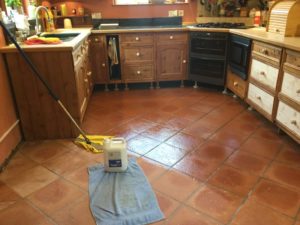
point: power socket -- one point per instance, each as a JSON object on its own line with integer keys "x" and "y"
{"x": 96, "y": 15}
{"x": 181, "y": 12}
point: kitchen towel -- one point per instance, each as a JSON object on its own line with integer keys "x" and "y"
{"x": 122, "y": 198}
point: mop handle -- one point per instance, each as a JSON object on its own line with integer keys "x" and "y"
{"x": 44, "y": 82}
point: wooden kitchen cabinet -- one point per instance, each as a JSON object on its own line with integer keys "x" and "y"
{"x": 98, "y": 58}
{"x": 67, "y": 73}
{"x": 137, "y": 58}
{"x": 171, "y": 56}
{"x": 288, "y": 113}
{"x": 265, "y": 79}
{"x": 236, "y": 84}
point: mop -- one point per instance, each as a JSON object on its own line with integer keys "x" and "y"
{"x": 92, "y": 143}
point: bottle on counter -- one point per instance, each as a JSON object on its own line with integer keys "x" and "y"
{"x": 63, "y": 8}
{"x": 257, "y": 18}
{"x": 50, "y": 24}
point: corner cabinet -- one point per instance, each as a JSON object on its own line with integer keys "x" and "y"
{"x": 171, "y": 56}
{"x": 68, "y": 73}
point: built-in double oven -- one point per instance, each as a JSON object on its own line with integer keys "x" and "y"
{"x": 208, "y": 51}
{"x": 211, "y": 51}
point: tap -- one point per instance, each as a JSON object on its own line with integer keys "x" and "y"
{"x": 37, "y": 25}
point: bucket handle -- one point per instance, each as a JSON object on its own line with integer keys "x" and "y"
{"x": 118, "y": 139}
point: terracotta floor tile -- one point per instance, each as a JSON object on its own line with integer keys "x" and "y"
{"x": 268, "y": 133}
{"x": 178, "y": 123}
{"x": 244, "y": 127}
{"x": 141, "y": 144}
{"x": 189, "y": 114}
{"x": 261, "y": 147}
{"x": 77, "y": 213}
{"x": 122, "y": 131}
{"x": 166, "y": 154}
{"x": 18, "y": 164}
{"x": 297, "y": 223}
{"x": 250, "y": 117}
{"x": 151, "y": 169}
{"x": 166, "y": 204}
{"x": 157, "y": 117}
{"x": 159, "y": 133}
{"x": 233, "y": 139}
{"x": 67, "y": 162}
{"x": 248, "y": 162}
{"x": 254, "y": 213}
{"x": 277, "y": 197}
{"x": 195, "y": 166}
{"x": 188, "y": 216}
{"x": 213, "y": 151}
{"x": 31, "y": 180}
{"x": 289, "y": 156}
{"x": 216, "y": 203}
{"x": 44, "y": 150}
{"x": 79, "y": 177}
{"x": 176, "y": 185}
{"x": 139, "y": 125}
{"x": 55, "y": 196}
{"x": 284, "y": 174}
{"x": 7, "y": 196}
{"x": 23, "y": 213}
{"x": 184, "y": 141}
{"x": 233, "y": 180}
{"x": 202, "y": 108}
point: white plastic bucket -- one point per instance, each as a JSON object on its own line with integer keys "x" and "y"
{"x": 115, "y": 155}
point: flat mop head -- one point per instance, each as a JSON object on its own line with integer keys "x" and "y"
{"x": 95, "y": 145}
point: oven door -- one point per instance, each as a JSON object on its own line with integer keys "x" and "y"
{"x": 207, "y": 70}
{"x": 207, "y": 43}
{"x": 239, "y": 54}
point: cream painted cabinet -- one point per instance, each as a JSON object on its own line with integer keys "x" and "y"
{"x": 288, "y": 113}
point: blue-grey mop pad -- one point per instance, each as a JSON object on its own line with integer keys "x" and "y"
{"x": 122, "y": 198}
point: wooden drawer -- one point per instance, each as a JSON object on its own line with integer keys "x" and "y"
{"x": 264, "y": 73}
{"x": 236, "y": 84}
{"x": 142, "y": 73}
{"x": 171, "y": 37}
{"x": 268, "y": 51}
{"x": 261, "y": 98}
{"x": 137, "y": 54}
{"x": 289, "y": 117}
{"x": 291, "y": 86}
{"x": 137, "y": 38}
{"x": 293, "y": 59}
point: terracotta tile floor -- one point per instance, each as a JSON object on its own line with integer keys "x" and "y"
{"x": 209, "y": 160}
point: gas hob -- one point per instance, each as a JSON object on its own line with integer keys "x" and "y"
{"x": 223, "y": 25}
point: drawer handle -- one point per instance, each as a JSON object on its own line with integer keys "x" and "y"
{"x": 184, "y": 61}
{"x": 103, "y": 64}
{"x": 262, "y": 73}
{"x": 89, "y": 73}
{"x": 235, "y": 84}
{"x": 138, "y": 72}
{"x": 258, "y": 97}
{"x": 171, "y": 37}
{"x": 265, "y": 51}
{"x": 294, "y": 122}
{"x": 138, "y": 54}
{"x": 137, "y": 38}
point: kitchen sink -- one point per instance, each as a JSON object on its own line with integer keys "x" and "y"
{"x": 62, "y": 36}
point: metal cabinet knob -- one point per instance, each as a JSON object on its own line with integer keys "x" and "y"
{"x": 262, "y": 73}
{"x": 96, "y": 39}
{"x": 171, "y": 37}
{"x": 137, "y": 38}
{"x": 277, "y": 30}
{"x": 184, "y": 61}
{"x": 235, "y": 84}
{"x": 294, "y": 122}
{"x": 138, "y": 72}
{"x": 258, "y": 97}
{"x": 138, "y": 54}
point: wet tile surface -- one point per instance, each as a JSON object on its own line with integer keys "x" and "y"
{"x": 209, "y": 160}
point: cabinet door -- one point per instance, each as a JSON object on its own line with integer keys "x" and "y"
{"x": 171, "y": 62}
{"x": 98, "y": 57}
